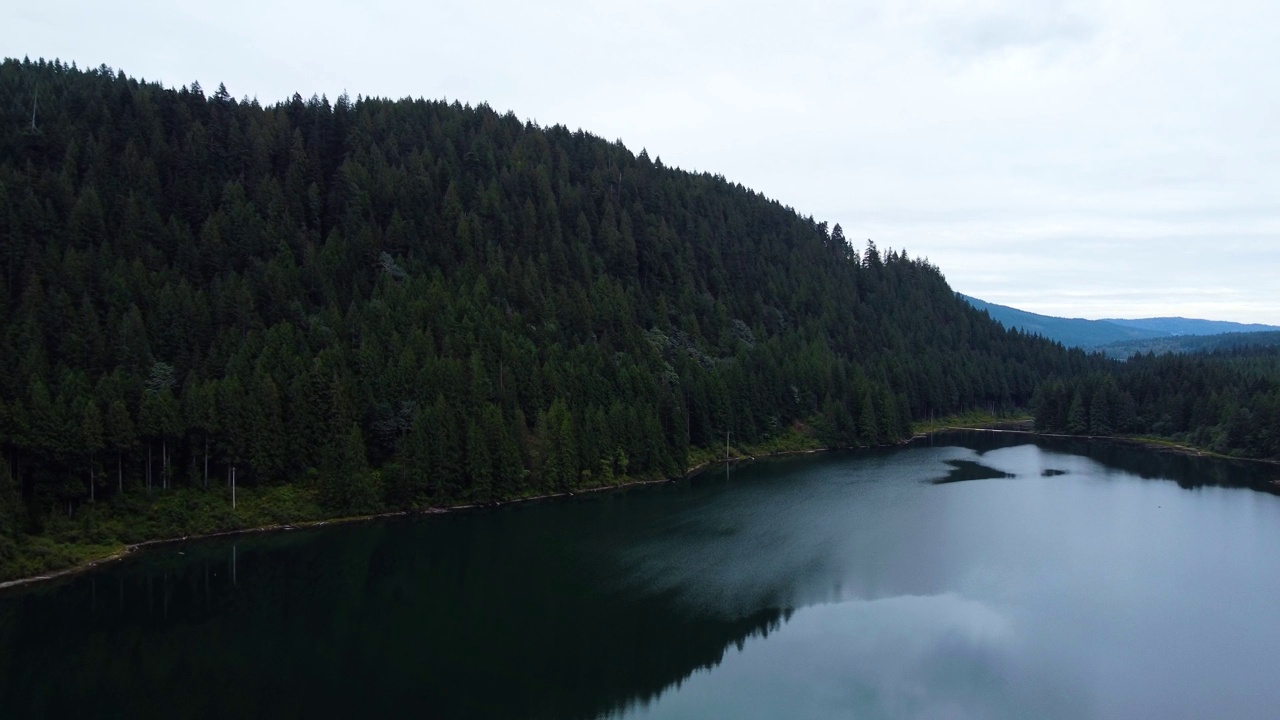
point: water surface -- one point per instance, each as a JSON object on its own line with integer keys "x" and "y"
{"x": 977, "y": 575}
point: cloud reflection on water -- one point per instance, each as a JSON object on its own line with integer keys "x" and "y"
{"x": 901, "y": 657}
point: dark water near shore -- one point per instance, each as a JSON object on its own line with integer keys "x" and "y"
{"x": 972, "y": 576}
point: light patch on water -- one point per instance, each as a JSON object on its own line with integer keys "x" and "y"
{"x": 819, "y": 537}
{"x": 939, "y": 656}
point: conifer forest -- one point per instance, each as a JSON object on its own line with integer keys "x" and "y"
{"x": 216, "y": 314}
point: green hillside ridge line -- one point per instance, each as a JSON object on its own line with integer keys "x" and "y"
{"x": 332, "y": 309}
{"x": 364, "y": 306}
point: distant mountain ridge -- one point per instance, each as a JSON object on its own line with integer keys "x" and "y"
{"x": 1190, "y": 326}
{"x": 1096, "y": 334}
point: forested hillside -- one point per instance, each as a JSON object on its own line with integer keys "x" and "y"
{"x": 408, "y": 303}
{"x": 1192, "y": 344}
{"x": 1227, "y": 401}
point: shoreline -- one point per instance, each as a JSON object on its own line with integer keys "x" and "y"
{"x": 996, "y": 427}
{"x": 131, "y": 548}
{"x": 1145, "y": 442}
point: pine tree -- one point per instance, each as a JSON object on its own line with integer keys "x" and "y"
{"x": 1077, "y": 415}
{"x": 347, "y": 482}
{"x": 92, "y": 439}
{"x": 1100, "y": 412}
{"x": 11, "y": 519}
{"x": 120, "y": 437}
{"x": 479, "y": 463}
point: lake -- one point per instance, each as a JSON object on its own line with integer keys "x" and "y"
{"x": 969, "y": 575}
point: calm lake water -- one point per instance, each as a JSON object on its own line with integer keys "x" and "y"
{"x": 976, "y": 575}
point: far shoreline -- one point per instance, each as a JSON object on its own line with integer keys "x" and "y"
{"x": 1150, "y": 443}
{"x": 1013, "y": 426}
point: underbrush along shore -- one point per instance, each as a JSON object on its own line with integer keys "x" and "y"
{"x": 126, "y": 549}
{"x": 796, "y": 440}
{"x": 702, "y": 460}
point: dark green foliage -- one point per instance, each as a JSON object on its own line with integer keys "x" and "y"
{"x": 1194, "y": 343}
{"x": 1228, "y": 401}
{"x": 347, "y": 484}
{"x": 411, "y": 303}
{"x": 10, "y": 518}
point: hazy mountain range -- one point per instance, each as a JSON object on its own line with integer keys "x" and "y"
{"x": 1123, "y": 337}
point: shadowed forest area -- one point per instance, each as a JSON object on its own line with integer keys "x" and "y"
{"x": 338, "y": 308}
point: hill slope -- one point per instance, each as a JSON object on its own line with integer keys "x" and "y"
{"x": 379, "y": 304}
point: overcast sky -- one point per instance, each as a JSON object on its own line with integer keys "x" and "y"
{"x": 1081, "y": 159}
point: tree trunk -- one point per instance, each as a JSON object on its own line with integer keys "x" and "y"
{"x": 233, "y": 487}
{"x": 206, "y": 462}
{"x": 120, "y": 471}
{"x": 91, "y": 498}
